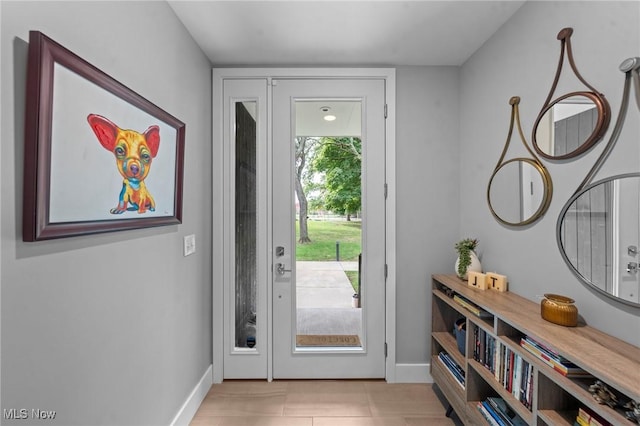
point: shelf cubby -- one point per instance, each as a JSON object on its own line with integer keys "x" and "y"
{"x": 578, "y": 391}
{"x": 481, "y": 387}
{"x": 447, "y": 342}
{"x": 509, "y": 332}
{"x": 555, "y": 405}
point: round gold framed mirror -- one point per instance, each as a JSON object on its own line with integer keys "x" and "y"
{"x": 573, "y": 123}
{"x": 519, "y": 192}
{"x": 520, "y": 189}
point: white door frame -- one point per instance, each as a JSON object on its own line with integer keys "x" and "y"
{"x": 217, "y": 184}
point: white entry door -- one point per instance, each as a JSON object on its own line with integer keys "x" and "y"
{"x": 325, "y": 324}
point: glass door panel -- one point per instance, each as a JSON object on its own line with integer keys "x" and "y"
{"x": 246, "y": 274}
{"x": 246, "y": 225}
{"x": 328, "y": 173}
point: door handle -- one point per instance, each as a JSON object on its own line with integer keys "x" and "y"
{"x": 632, "y": 267}
{"x": 280, "y": 269}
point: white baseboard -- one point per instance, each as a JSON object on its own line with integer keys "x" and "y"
{"x": 191, "y": 405}
{"x": 413, "y": 373}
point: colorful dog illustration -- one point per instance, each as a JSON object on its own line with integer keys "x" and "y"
{"x": 134, "y": 153}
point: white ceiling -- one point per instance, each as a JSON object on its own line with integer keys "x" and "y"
{"x": 310, "y": 118}
{"x": 341, "y": 33}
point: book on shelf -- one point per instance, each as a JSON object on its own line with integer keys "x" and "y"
{"x": 484, "y": 348}
{"x": 487, "y": 416}
{"x": 496, "y": 411}
{"x": 471, "y": 307}
{"x": 494, "y": 414}
{"x": 581, "y": 422}
{"x": 549, "y": 353}
{"x": 456, "y": 371}
{"x": 509, "y": 416}
{"x": 552, "y": 359}
{"x": 517, "y": 377}
{"x": 586, "y": 417}
{"x": 497, "y": 362}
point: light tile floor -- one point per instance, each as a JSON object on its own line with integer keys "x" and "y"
{"x": 322, "y": 403}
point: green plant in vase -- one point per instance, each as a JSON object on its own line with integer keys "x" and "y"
{"x": 466, "y": 256}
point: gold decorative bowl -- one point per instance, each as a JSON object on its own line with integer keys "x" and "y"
{"x": 559, "y": 310}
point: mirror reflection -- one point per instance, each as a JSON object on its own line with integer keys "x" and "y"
{"x": 599, "y": 236}
{"x": 517, "y": 191}
{"x": 566, "y": 126}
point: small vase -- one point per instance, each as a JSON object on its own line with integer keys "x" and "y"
{"x": 559, "y": 310}
{"x": 474, "y": 266}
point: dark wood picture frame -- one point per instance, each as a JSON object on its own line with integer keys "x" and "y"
{"x": 44, "y": 54}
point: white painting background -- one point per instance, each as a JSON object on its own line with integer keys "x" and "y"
{"x": 85, "y": 183}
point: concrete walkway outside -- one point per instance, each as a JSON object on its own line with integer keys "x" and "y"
{"x": 324, "y": 299}
{"x": 324, "y": 284}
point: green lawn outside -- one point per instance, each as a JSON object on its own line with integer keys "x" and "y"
{"x": 353, "y": 279}
{"x": 324, "y": 234}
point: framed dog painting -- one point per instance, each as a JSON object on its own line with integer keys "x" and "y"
{"x": 98, "y": 156}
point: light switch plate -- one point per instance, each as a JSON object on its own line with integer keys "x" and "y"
{"x": 189, "y": 244}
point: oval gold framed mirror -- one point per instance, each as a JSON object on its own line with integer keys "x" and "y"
{"x": 571, "y": 124}
{"x": 520, "y": 189}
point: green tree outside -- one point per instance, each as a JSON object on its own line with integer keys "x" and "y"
{"x": 339, "y": 160}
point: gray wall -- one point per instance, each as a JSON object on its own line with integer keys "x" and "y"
{"x": 112, "y": 328}
{"x": 428, "y": 203}
{"x": 520, "y": 60}
{"x": 451, "y": 128}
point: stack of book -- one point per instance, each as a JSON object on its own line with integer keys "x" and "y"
{"x": 454, "y": 369}
{"x": 508, "y": 367}
{"x": 471, "y": 307}
{"x": 586, "y": 417}
{"x": 553, "y": 359}
{"x": 498, "y": 413}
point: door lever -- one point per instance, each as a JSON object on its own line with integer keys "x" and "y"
{"x": 280, "y": 269}
{"x": 632, "y": 267}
